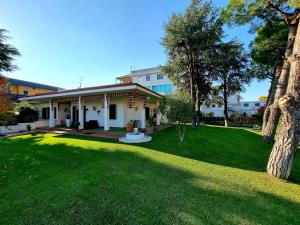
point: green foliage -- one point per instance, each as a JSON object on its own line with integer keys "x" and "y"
{"x": 269, "y": 44}
{"x": 245, "y": 11}
{"x": 7, "y": 53}
{"x": 189, "y": 40}
{"x": 27, "y": 113}
{"x": 179, "y": 108}
{"x": 210, "y": 114}
{"x": 8, "y": 118}
{"x": 231, "y": 62}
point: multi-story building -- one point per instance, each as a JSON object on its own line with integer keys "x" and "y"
{"x": 151, "y": 78}
{"x": 22, "y": 88}
{"x": 247, "y": 107}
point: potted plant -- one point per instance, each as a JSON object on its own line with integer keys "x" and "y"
{"x": 68, "y": 121}
{"x": 129, "y": 126}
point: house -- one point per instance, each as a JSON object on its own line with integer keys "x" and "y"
{"x": 109, "y": 106}
{"x": 22, "y": 88}
{"x": 151, "y": 78}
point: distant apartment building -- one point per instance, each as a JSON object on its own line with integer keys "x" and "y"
{"x": 22, "y": 88}
{"x": 151, "y": 78}
{"x": 247, "y": 107}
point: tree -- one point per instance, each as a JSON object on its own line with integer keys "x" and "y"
{"x": 5, "y": 101}
{"x": 284, "y": 150}
{"x": 267, "y": 53}
{"x": 288, "y": 90}
{"x": 245, "y": 11}
{"x": 189, "y": 38}
{"x": 7, "y": 53}
{"x": 179, "y": 109}
{"x": 230, "y": 72}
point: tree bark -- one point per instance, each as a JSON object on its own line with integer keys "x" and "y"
{"x": 225, "y": 103}
{"x": 271, "y": 97}
{"x": 284, "y": 150}
{"x": 274, "y": 114}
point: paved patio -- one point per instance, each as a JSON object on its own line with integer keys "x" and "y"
{"x": 100, "y": 133}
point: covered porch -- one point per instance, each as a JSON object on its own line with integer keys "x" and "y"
{"x": 99, "y": 107}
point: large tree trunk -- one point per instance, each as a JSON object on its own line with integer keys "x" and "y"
{"x": 225, "y": 103}
{"x": 273, "y": 119}
{"x": 283, "y": 152}
{"x": 271, "y": 98}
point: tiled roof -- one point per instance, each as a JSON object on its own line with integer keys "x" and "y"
{"x": 96, "y": 88}
{"x": 33, "y": 84}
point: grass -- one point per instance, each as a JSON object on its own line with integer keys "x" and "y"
{"x": 215, "y": 177}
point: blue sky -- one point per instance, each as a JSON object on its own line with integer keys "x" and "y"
{"x": 63, "y": 40}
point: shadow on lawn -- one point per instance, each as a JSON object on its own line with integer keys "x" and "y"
{"x": 232, "y": 147}
{"x": 59, "y": 183}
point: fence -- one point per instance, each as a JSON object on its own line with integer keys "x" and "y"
{"x": 237, "y": 121}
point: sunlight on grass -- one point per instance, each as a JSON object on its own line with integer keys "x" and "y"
{"x": 163, "y": 180}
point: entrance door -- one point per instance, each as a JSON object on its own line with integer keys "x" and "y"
{"x": 147, "y": 111}
{"x": 84, "y": 115}
{"x": 75, "y": 113}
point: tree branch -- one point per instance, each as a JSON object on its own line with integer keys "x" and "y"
{"x": 280, "y": 12}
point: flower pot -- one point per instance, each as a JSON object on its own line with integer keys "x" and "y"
{"x": 129, "y": 127}
{"x": 68, "y": 122}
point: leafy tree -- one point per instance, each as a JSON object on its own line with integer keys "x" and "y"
{"x": 189, "y": 39}
{"x": 230, "y": 72}
{"x": 288, "y": 90}
{"x": 7, "y": 53}
{"x": 179, "y": 109}
{"x": 245, "y": 11}
{"x": 267, "y": 52}
{"x": 5, "y": 100}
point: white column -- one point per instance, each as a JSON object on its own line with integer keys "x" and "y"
{"x": 57, "y": 114}
{"x": 158, "y": 114}
{"x": 80, "y": 113}
{"x": 51, "y": 114}
{"x": 142, "y": 114}
{"x": 71, "y": 112}
{"x": 106, "y": 116}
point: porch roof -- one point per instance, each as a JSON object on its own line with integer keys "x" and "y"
{"x": 95, "y": 90}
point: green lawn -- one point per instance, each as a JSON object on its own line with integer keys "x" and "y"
{"x": 215, "y": 177}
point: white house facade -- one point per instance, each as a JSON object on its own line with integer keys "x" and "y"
{"x": 109, "y": 106}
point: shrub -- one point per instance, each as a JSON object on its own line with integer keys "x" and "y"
{"x": 27, "y": 113}
{"x": 210, "y": 114}
{"x": 258, "y": 117}
{"x": 8, "y": 118}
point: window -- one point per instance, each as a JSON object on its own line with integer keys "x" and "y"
{"x": 45, "y": 113}
{"x": 113, "y": 112}
{"x": 165, "y": 88}
{"x": 26, "y": 91}
{"x": 246, "y": 104}
{"x": 160, "y": 77}
{"x": 257, "y": 104}
{"x": 148, "y": 77}
{"x": 213, "y": 106}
